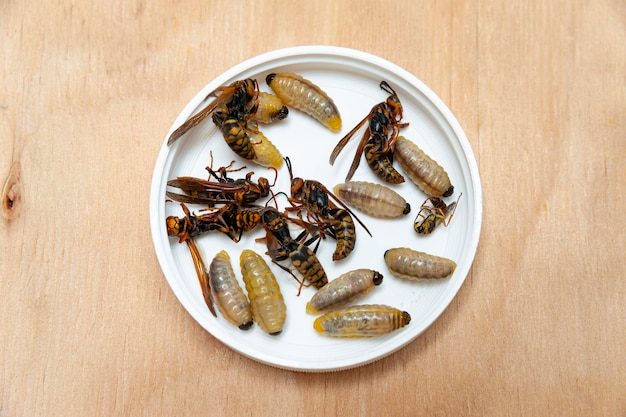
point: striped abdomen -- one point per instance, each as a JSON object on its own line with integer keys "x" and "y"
{"x": 235, "y": 135}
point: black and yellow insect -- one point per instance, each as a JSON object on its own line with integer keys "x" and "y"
{"x": 378, "y": 139}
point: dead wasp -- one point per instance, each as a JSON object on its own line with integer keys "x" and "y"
{"x": 415, "y": 265}
{"x": 228, "y": 294}
{"x": 322, "y": 208}
{"x": 342, "y": 229}
{"x": 303, "y": 95}
{"x": 232, "y": 220}
{"x": 378, "y": 140}
{"x": 431, "y": 216}
{"x": 282, "y": 246}
{"x": 224, "y": 190}
{"x": 361, "y": 321}
{"x": 235, "y": 134}
{"x": 240, "y": 100}
{"x": 377, "y": 200}
{"x": 344, "y": 289}
{"x": 424, "y": 171}
{"x": 266, "y": 300}
{"x": 191, "y": 226}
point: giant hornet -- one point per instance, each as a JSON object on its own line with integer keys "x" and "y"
{"x": 326, "y": 210}
{"x": 234, "y": 112}
{"x": 282, "y": 246}
{"x": 231, "y": 219}
{"x": 238, "y": 99}
{"x": 378, "y": 140}
{"x": 224, "y": 190}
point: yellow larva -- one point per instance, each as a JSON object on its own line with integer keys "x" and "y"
{"x": 414, "y": 265}
{"x": 267, "y": 303}
{"x": 270, "y": 109}
{"x": 265, "y": 153}
{"x": 303, "y": 95}
{"x": 228, "y": 295}
{"x": 377, "y": 200}
{"x": 361, "y": 321}
{"x": 344, "y": 289}
{"x": 424, "y": 171}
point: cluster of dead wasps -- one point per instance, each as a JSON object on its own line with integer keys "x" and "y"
{"x": 232, "y": 207}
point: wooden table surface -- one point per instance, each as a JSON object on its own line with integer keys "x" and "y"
{"x": 89, "y": 325}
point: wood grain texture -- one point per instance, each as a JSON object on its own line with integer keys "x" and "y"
{"x": 89, "y": 324}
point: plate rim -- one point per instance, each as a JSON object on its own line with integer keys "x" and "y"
{"x": 336, "y": 52}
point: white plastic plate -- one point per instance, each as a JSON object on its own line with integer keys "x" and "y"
{"x": 352, "y": 79}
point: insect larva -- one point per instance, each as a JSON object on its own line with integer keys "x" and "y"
{"x": 302, "y": 94}
{"x": 361, "y": 321}
{"x": 265, "y": 153}
{"x": 414, "y": 265}
{"x": 228, "y": 295}
{"x": 344, "y": 289}
{"x": 271, "y": 108}
{"x": 377, "y": 200}
{"x": 425, "y": 172}
{"x": 268, "y": 306}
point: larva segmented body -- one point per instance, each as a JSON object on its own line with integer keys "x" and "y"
{"x": 377, "y": 200}
{"x": 228, "y": 294}
{"x": 265, "y": 153}
{"x": 266, "y": 301}
{"x": 414, "y": 265}
{"x": 425, "y": 172}
{"x": 302, "y": 94}
{"x": 344, "y": 289}
{"x": 361, "y": 321}
{"x": 271, "y": 108}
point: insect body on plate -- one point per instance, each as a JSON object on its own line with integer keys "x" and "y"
{"x": 425, "y": 172}
{"x": 265, "y": 153}
{"x": 326, "y": 210}
{"x": 240, "y": 100}
{"x": 343, "y": 230}
{"x": 223, "y": 191}
{"x": 187, "y": 229}
{"x": 231, "y": 219}
{"x": 344, "y": 289}
{"x": 227, "y": 293}
{"x": 266, "y": 301}
{"x": 377, "y": 200}
{"x": 303, "y": 95}
{"x": 271, "y": 108}
{"x": 415, "y": 265}
{"x": 361, "y": 321}
{"x": 190, "y": 226}
{"x": 378, "y": 140}
{"x": 431, "y": 216}
{"x": 235, "y": 134}
{"x": 282, "y": 246}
